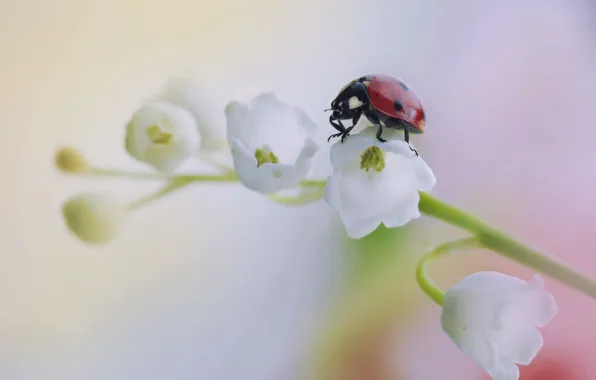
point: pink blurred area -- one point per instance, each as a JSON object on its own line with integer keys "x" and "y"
{"x": 220, "y": 284}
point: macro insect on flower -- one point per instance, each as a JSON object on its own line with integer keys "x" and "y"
{"x": 384, "y": 100}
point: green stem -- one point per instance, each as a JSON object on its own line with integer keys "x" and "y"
{"x": 228, "y": 177}
{"x": 488, "y": 236}
{"x": 308, "y": 195}
{"x": 426, "y": 284}
{"x": 499, "y": 242}
{"x": 167, "y": 189}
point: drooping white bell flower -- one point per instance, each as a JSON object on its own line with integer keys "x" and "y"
{"x": 272, "y": 143}
{"x": 376, "y": 182}
{"x": 162, "y": 135}
{"x": 188, "y": 94}
{"x": 493, "y": 318}
{"x": 94, "y": 218}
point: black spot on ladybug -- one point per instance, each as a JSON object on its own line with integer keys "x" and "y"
{"x": 398, "y": 106}
{"x": 403, "y": 86}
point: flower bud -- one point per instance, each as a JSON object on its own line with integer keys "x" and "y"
{"x": 71, "y": 160}
{"x": 93, "y": 218}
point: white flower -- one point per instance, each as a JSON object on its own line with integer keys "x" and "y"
{"x": 272, "y": 143}
{"x": 492, "y": 317}
{"x": 93, "y": 218}
{"x": 376, "y": 182}
{"x": 188, "y": 94}
{"x": 162, "y": 135}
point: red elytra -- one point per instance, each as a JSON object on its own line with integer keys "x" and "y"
{"x": 386, "y": 93}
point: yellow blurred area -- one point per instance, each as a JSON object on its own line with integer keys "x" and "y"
{"x": 71, "y": 73}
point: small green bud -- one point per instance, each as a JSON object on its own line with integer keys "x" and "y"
{"x": 264, "y": 156}
{"x": 94, "y": 218}
{"x": 71, "y": 160}
{"x": 372, "y": 158}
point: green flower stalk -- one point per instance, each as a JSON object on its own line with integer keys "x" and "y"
{"x": 485, "y": 235}
{"x": 499, "y": 242}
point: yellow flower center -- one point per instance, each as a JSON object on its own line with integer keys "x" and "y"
{"x": 264, "y": 156}
{"x": 372, "y": 158}
{"x": 157, "y": 136}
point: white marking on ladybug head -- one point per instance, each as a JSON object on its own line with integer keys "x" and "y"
{"x": 366, "y": 83}
{"x": 354, "y": 102}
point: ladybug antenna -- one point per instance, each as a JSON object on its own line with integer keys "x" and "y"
{"x": 328, "y": 109}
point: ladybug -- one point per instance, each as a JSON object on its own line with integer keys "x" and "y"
{"x": 384, "y": 100}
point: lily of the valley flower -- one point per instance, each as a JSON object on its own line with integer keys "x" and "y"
{"x": 162, "y": 135}
{"x": 376, "y": 182}
{"x": 188, "y": 94}
{"x": 93, "y": 218}
{"x": 272, "y": 143}
{"x": 493, "y": 318}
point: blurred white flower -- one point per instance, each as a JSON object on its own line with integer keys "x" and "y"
{"x": 93, "y": 218}
{"x": 162, "y": 135}
{"x": 272, "y": 143}
{"x": 493, "y": 318}
{"x": 188, "y": 94}
{"x": 375, "y": 182}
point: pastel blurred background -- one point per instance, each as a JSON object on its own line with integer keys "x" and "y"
{"x": 217, "y": 283}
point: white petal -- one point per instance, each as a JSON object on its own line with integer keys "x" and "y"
{"x": 399, "y": 147}
{"x": 425, "y": 175}
{"x": 476, "y": 345}
{"x": 507, "y": 371}
{"x": 236, "y": 115}
{"x": 352, "y": 147}
{"x": 403, "y": 212}
{"x": 489, "y": 282}
{"x": 477, "y": 300}
{"x": 519, "y": 346}
{"x": 359, "y": 227}
{"x": 371, "y": 194}
{"x": 531, "y": 306}
{"x": 188, "y": 94}
{"x": 332, "y": 191}
{"x": 267, "y": 178}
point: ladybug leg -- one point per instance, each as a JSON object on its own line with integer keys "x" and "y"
{"x": 337, "y": 125}
{"x": 380, "y": 132}
{"x": 407, "y": 139}
{"x": 346, "y": 133}
{"x": 355, "y": 120}
{"x": 375, "y": 120}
